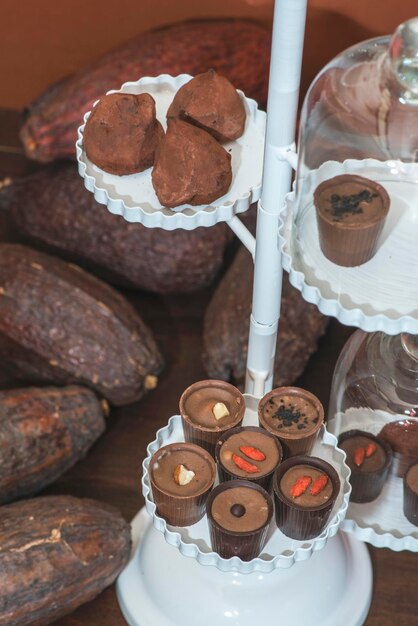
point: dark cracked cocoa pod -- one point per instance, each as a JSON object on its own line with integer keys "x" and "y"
{"x": 226, "y": 326}
{"x": 52, "y": 209}
{"x": 56, "y": 553}
{"x": 61, "y": 325}
{"x": 43, "y": 432}
{"x": 238, "y": 49}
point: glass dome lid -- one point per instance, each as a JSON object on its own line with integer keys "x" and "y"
{"x": 349, "y": 242}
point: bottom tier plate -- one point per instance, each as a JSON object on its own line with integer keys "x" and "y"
{"x": 159, "y": 587}
{"x": 381, "y": 522}
{"x": 280, "y": 551}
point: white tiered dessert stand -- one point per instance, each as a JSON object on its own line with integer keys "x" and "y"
{"x": 173, "y": 578}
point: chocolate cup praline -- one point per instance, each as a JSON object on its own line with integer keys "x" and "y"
{"x": 298, "y": 442}
{"x": 181, "y": 510}
{"x": 410, "y": 497}
{"x": 246, "y": 545}
{"x": 295, "y": 521}
{"x": 367, "y": 486}
{"x": 265, "y": 480}
{"x": 345, "y": 244}
{"x": 204, "y": 436}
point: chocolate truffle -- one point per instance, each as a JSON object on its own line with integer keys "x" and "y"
{"x": 208, "y": 408}
{"x": 369, "y": 460}
{"x": 351, "y": 211}
{"x": 402, "y": 436}
{"x": 249, "y": 453}
{"x": 212, "y": 103}
{"x": 122, "y": 133}
{"x": 190, "y": 167}
{"x": 239, "y": 513}
{"x": 181, "y": 476}
{"x": 410, "y": 494}
{"x": 293, "y": 415}
{"x": 305, "y": 490}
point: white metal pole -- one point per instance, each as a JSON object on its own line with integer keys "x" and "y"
{"x": 285, "y": 66}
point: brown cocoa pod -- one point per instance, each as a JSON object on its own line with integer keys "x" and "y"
{"x": 238, "y": 49}
{"x": 52, "y": 209}
{"x": 56, "y": 553}
{"x": 226, "y": 326}
{"x": 61, "y": 325}
{"x": 43, "y": 432}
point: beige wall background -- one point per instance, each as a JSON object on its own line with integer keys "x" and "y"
{"x": 42, "y": 41}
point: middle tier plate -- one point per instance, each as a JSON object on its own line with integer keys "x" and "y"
{"x": 280, "y": 551}
{"x": 134, "y": 197}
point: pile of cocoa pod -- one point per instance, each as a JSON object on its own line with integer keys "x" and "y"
{"x": 65, "y": 328}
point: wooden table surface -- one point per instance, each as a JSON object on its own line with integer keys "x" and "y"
{"x": 111, "y": 471}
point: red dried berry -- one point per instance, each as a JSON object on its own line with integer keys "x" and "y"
{"x": 245, "y": 465}
{"x": 359, "y": 454}
{"x": 253, "y": 453}
{"x": 300, "y": 486}
{"x": 319, "y": 485}
{"x": 371, "y": 449}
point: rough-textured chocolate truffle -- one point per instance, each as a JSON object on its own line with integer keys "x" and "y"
{"x": 122, "y": 133}
{"x": 211, "y": 102}
{"x": 190, "y": 167}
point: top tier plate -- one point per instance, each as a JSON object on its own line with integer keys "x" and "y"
{"x": 380, "y": 295}
{"x": 134, "y": 197}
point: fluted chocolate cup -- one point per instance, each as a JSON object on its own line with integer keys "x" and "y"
{"x": 197, "y": 402}
{"x": 227, "y": 540}
{"x": 247, "y": 442}
{"x": 410, "y": 494}
{"x": 366, "y": 485}
{"x": 351, "y": 212}
{"x": 303, "y": 522}
{"x": 294, "y": 416}
{"x": 181, "y": 505}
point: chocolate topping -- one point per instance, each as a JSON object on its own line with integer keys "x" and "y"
{"x": 306, "y": 499}
{"x": 190, "y": 167}
{"x": 122, "y": 134}
{"x": 211, "y": 102}
{"x": 254, "y": 503}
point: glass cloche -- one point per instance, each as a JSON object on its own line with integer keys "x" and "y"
{"x": 352, "y": 222}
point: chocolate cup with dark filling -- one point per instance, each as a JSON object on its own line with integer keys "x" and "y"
{"x": 366, "y": 480}
{"x": 232, "y": 442}
{"x": 410, "y": 494}
{"x": 307, "y": 520}
{"x": 239, "y": 513}
{"x": 351, "y": 212}
{"x": 294, "y": 416}
{"x": 200, "y": 425}
{"x": 181, "y": 505}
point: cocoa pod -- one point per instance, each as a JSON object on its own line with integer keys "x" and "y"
{"x": 43, "y": 432}
{"x": 59, "y": 324}
{"x": 226, "y": 325}
{"x": 52, "y": 208}
{"x": 237, "y": 49}
{"x": 56, "y": 553}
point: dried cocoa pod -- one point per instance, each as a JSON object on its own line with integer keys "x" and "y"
{"x": 59, "y": 324}
{"x": 238, "y": 49}
{"x": 53, "y": 209}
{"x": 226, "y": 324}
{"x": 56, "y": 553}
{"x": 43, "y": 432}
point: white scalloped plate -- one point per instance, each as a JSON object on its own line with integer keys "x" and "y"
{"x": 134, "y": 197}
{"x": 279, "y": 551}
{"x": 381, "y": 522}
{"x": 381, "y": 294}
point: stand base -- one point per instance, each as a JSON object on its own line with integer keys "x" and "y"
{"x": 161, "y": 587}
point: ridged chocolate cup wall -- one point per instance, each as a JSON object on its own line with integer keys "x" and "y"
{"x": 303, "y": 522}
{"x": 410, "y": 498}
